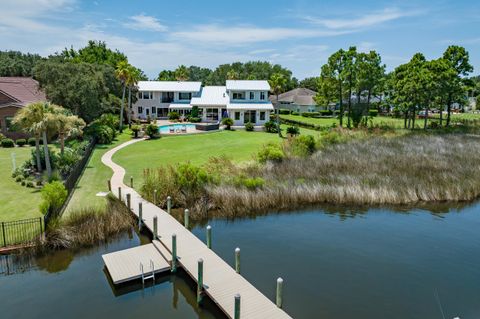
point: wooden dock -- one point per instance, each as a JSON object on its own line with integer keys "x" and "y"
{"x": 220, "y": 281}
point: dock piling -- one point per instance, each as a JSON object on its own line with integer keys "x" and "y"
{"x": 131, "y": 181}
{"x": 237, "y": 260}
{"x": 155, "y": 227}
{"x": 174, "y": 253}
{"x": 186, "y": 218}
{"x": 140, "y": 214}
{"x": 200, "y": 281}
{"x": 209, "y": 237}
{"x": 129, "y": 201}
{"x": 169, "y": 204}
{"x": 109, "y": 183}
{"x": 279, "y": 292}
{"x": 237, "y": 307}
{"x": 154, "y": 197}
{"x": 119, "y": 193}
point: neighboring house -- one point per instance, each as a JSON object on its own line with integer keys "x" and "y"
{"x": 243, "y": 101}
{"x": 157, "y": 98}
{"x": 299, "y": 100}
{"x": 15, "y": 93}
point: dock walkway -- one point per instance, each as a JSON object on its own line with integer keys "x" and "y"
{"x": 221, "y": 282}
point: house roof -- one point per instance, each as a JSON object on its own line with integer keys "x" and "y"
{"x": 22, "y": 90}
{"x": 212, "y": 96}
{"x": 169, "y": 86}
{"x": 180, "y": 106}
{"x": 249, "y": 106}
{"x": 244, "y": 85}
{"x": 299, "y": 96}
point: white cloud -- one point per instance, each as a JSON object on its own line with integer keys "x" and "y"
{"x": 144, "y": 22}
{"x": 240, "y": 35}
{"x": 368, "y": 20}
{"x": 365, "y": 46}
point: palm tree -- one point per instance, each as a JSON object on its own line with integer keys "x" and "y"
{"x": 277, "y": 85}
{"x": 65, "y": 123}
{"x": 181, "y": 73}
{"x": 122, "y": 74}
{"x": 26, "y": 118}
{"x": 133, "y": 76}
{"x": 232, "y": 75}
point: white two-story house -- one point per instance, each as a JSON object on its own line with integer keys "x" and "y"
{"x": 242, "y": 100}
{"x": 157, "y": 98}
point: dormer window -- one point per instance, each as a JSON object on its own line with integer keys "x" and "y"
{"x": 184, "y": 96}
{"x": 238, "y": 95}
{"x": 262, "y": 95}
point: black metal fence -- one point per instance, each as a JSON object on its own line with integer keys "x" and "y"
{"x": 20, "y": 231}
{"x": 77, "y": 170}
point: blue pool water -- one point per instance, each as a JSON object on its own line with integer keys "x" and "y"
{"x": 165, "y": 129}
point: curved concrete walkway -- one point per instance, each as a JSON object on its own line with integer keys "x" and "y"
{"x": 221, "y": 282}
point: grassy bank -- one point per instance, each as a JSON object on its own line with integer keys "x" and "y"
{"x": 94, "y": 178}
{"x": 402, "y": 170}
{"x": 16, "y": 201}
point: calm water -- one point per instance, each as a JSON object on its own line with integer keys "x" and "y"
{"x": 336, "y": 264}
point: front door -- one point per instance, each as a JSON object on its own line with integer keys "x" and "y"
{"x": 250, "y": 116}
{"x": 147, "y": 111}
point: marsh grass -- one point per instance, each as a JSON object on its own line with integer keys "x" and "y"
{"x": 376, "y": 171}
{"x": 88, "y": 227}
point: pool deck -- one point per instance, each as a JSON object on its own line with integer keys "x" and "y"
{"x": 220, "y": 281}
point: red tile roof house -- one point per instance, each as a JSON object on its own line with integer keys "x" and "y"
{"x": 15, "y": 93}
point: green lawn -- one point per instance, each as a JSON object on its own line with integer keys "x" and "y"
{"x": 395, "y": 122}
{"x": 94, "y": 178}
{"x": 16, "y": 201}
{"x": 237, "y": 145}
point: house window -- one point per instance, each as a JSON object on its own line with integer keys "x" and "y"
{"x": 167, "y": 97}
{"x": 239, "y": 95}
{"x": 184, "y": 96}
{"x": 252, "y": 95}
{"x": 154, "y": 110}
{"x": 249, "y": 116}
{"x": 262, "y": 116}
{"x": 146, "y": 95}
{"x": 237, "y": 116}
{"x": 140, "y": 110}
{"x": 262, "y": 96}
{"x": 212, "y": 114}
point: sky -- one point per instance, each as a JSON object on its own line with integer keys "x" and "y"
{"x": 298, "y": 34}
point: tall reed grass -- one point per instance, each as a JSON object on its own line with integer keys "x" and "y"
{"x": 402, "y": 170}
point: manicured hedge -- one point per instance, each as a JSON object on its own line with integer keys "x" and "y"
{"x": 284, "y": 111}
{"x": 8, "y": 142}
{"x": 21, "y": 142}
{"x": 326, "y": 112}
{"x": 372, "y": 112}
{"x": 31, "y": 141}
{"x": 311, "y": 114}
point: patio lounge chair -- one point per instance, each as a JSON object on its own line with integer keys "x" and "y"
{"x": 171, "y": 129}
{"x": 184, "y": 129}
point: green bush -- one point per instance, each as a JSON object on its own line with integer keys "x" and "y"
{"x": 110, "y": 120}
{"x": 195, "y": 119}
{"x": 30, "y": 184}
{"x": 151, "y": 130}
{"x": 284, "y": 111}
{"x": 303, "y": 145}
{"x": 373, "y": 112}
{"x": 19, "y": 178}
{"x": 66, "y": 161}
{"x": 249, "y": 127}
{"x": 326, "y": 112}
{"x": 103, "y": 133}
{"x": 21, "y": 142}
{"x": 253, "y": 183}
{"x": 271, "y": 127}
{"x": 31, "y": 141}
{"x": 191, "y": 179}
{"x": 295, "y": 113}
{"x": 293, "y": 130}
{"x": 2, "y": 136}
{"x": 23, "y": 183}
{"x": 271, "y": 152}
{"x": 228, "y": 122}
{"x": 311, "y": 114}
{"x": 173, "y": 116}
{"x": 194, "y": 112}
{"x": 53, "y": 195}
{"x": 135, "y": 129}
{"x": 7, "y": 142}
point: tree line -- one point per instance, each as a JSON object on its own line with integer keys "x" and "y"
{"x": 350, "y": 79}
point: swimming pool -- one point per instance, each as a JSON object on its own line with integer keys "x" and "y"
{"x": 165, "y": 129}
